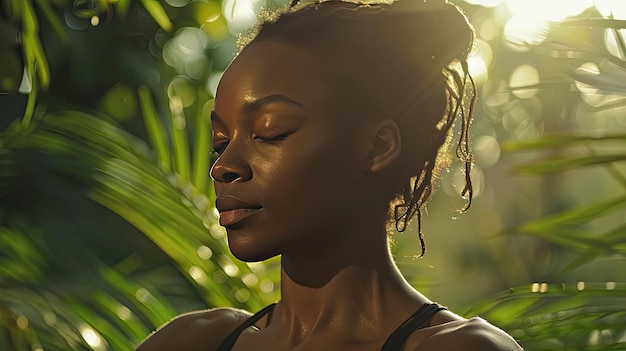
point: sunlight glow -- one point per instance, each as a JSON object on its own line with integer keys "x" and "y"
{"x": 231, "y": 269}
{"x": 539, "y": 288}
{"x": 613, "y": 8}
{"x": 485, "y": 3}
{"x": 553, "y": 10}
{"x": 477, "y": 68}
{"x": 526, "y": 22}
{"x": 228, "y": 266}
{"x": 479, "y": 61}
{"x": 521, "y": 31}
{"x": 92, "y": 338}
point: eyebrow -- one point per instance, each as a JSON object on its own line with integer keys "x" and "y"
{"x": 251, "y": 106}
{"x": 254, "y": 105}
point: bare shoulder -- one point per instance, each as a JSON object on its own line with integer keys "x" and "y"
{"x": 200, "y": 330}
{"x": 474, "y": 334}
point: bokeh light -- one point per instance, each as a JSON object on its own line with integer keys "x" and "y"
{"x": 213, "y": 81}
{"x": 177, "y": 3}
{"x": 204, "y": 252}
{"x": 186, "y": 52}
{"x": 486, "y": 150}
{"x": 479, "y": 60}
{"x": 524, "y": 81}
{"x": 93, "y": 338}
{"x": 183, "y": 90}
{"x": 520, "y": 32}
{"x": 250, "y": 279}
{"x": 240, "y": 14}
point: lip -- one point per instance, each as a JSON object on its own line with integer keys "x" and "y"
{"x": 234, "y": 210}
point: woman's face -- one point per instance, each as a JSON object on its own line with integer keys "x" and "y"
{"x": 292, "y": 172}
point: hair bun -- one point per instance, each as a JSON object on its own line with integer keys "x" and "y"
{"x": 450, "y": 35}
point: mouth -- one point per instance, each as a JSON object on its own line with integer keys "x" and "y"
{"x": 233, "y": 210}
{"x": 231, "y": 217}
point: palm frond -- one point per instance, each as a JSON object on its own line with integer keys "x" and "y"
{"x": 546, "y": 316}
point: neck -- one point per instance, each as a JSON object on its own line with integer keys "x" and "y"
{"x": 358, "y": 295}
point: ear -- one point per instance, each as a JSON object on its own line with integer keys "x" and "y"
{"x": 385, "y": 144}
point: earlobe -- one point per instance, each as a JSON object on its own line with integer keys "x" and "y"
{"x": 386, "y": 144}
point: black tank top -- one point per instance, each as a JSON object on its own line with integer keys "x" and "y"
{"x": 395, "y": 342}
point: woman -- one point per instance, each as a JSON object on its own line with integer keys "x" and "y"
{"x": 330, "y": 127}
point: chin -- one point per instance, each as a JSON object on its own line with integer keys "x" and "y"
{"x": 250, "y": 250}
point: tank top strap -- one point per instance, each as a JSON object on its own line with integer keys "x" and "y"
{"x": 416, "y": 321}
{"x": 230, "y": 340}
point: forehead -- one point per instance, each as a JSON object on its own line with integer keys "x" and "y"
{"x": 272, "y": 68}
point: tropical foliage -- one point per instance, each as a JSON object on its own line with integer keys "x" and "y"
{"x": 107, "y": 228}
{"x": 581, "y": 315}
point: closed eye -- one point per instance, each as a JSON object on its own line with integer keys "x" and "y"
{"x": 273, "y": 140}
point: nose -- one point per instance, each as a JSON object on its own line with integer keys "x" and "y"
{"x": 231, "y": 166}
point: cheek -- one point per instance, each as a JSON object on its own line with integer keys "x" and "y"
{"x": 305, "y": 178}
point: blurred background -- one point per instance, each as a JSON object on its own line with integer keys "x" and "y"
{"x": 107, "y": 225}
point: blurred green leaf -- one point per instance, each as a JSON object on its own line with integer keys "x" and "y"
{"x": 561, "y": 164}
{"x": 557, "y": 141}
{"x": 587, "y": 316}
{"x": 158, "y": 13}
{"x": 573, "y": 217}
{"x": 157, "y": 135}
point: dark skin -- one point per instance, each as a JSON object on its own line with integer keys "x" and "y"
{"x": 297, "y": 178}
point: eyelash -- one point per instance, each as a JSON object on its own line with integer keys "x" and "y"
{"x": 218, "y": 150}
{"x": 273, "y": 140}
